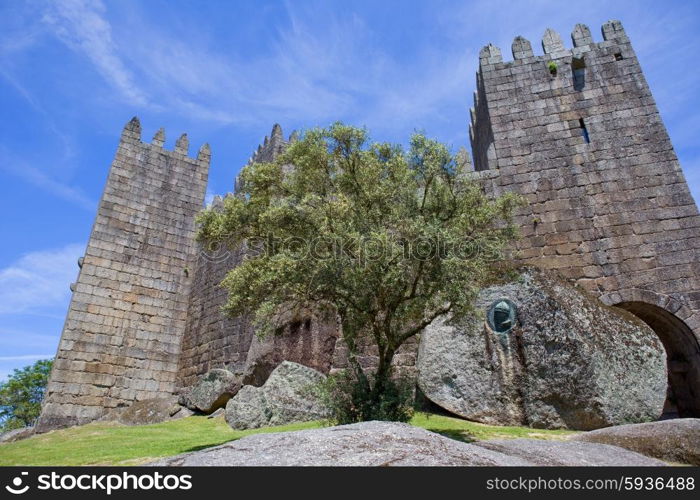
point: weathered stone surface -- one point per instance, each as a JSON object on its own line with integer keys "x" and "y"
{"x": 289, "y": 396}
{"x": 310, "y": 342}
{"x": 567, "y": 453}
{"x": 569, "y": 362}
{"x": 221, "y": 412}
{"x": 675, "y": 440}
{"x": 181, "y": 412}
{"x": 148, "y": 411}
{"x": 214, "y": 390}
{"x": 365, "y": 444}
{"x": 395, "y": 444}
{"x": 16, "y": 434}
{"x": 248, "y": 409}
{"x": 285, "y": 397}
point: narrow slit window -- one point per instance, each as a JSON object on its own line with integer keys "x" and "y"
{"x": 618, "y": 56}
{"x": 584, "y": 131}
{"x": 578, "y": 68}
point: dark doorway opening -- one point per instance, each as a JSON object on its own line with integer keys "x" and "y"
{"x": 682, "y": 357}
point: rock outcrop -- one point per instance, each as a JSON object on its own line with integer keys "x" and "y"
{"x": 149, "y": 411}
{"x": 213, "y": 390}
{"x": 287, "y": 396}
{"x": 567, "y": 361}
{"x": 567, "y": 453}
{"x": 675, "y": 440}
{"x": 16, "y": 434}
{"x": 393, "y": 444}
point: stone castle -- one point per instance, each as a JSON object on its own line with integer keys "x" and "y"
{"x": 575, "y": 131}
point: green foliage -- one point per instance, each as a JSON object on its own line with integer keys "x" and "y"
{"x": 21, "y": 395}
{"x": 349, "y": 399}
{"x": 386, "y": 239}
{"x": 552, "y": 67}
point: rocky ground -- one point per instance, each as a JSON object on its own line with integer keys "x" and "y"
{"x": 396, "y": 444}
{"x": 675, "y": 440}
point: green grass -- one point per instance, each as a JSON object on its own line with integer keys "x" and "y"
{"x": 115, "y": 444}
{"x": 469, "y": 432}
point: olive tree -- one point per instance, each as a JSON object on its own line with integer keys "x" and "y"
{"x": 388, "y": 238}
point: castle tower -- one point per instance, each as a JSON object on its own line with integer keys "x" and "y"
{"x": 578, "y": 134}
{"x": 122, "y": 335}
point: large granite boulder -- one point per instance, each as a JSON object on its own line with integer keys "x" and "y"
{"x": 393, "y": 444}
{"x": 287, "y": 396}
{"x": 213, "y": 390}
{"x": 566, "y": 361}
{"x": 310, "y": 342}
{"x": 248, "y": 409}
{"x": 675, "y": 440}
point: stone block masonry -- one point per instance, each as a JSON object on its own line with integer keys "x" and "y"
{"x": 577, "y": 133}
{"x": 121, "y": 339}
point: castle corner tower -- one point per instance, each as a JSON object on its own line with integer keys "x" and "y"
{"x": 121, "y": 339}
{"x": 577, "y": 132}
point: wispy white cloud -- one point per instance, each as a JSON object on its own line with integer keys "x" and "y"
{"x": 37, "y": 177}
{"x": 321, "y": 65}
{"x": 81, "y": 24}
{"x": 39, "y": 281}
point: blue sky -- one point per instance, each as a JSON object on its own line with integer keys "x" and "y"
{"x": 73, "y": 72}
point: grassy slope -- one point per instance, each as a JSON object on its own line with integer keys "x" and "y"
{"x": 113, "y": 444}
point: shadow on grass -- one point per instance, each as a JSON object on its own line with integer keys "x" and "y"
{"x": 457, "y": 435}
{"x": 205, "y": 446}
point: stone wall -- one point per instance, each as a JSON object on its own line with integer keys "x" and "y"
{"x": 212, "y": 339}
{"x": 121, "y": 338}
{"x": 608, "y": 208}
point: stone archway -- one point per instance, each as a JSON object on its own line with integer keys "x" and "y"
{"x": 672, "y": 323}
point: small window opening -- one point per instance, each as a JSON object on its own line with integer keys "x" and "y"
{"x": 578, "y": 67}
{"x": 618, "y": 56}
{"x": 584, "y": 131}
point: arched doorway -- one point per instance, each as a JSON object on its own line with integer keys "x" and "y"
{"x": 682, "y": 354}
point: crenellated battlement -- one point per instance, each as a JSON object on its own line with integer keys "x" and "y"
{"x": 131, "y": 134}
{"x": 529, "y": 77}
{"x": 272, "y": 145}
{"x": 552, "y": 45}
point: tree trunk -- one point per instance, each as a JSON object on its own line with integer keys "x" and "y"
{"x": 382, "y": 375}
